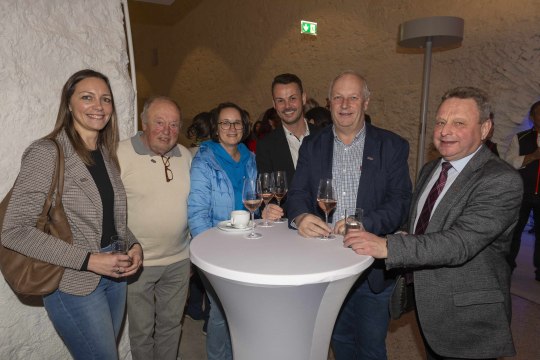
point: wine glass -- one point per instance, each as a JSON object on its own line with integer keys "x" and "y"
{"x": 354, "y": 219}
{"x": 252, "y": 199}
{"x": 326, "y": 198}
{"x": 281, "y": 189}
{"x": 267, "y": 189}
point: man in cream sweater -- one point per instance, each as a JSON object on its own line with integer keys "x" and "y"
{"x": 155, "y": 172}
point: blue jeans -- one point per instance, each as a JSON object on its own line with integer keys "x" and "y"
{"x": 218, "y": 339}
{"x": 89, "y": 325}
{"x": 197, "y": 307}
{"x": 362, "y": 324}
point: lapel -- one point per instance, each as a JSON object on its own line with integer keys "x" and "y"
{"x": 370, "y": 159}
{"x": 458, "y": 188}
{"x": 282, "y": 148}
{"x": 77, "y": 170}
{"x": 312, "y": 129}
{"x": 326, "y": 153}
{"x": 425, "y": 175}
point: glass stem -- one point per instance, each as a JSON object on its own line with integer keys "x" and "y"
{"x": 326, "y": 215}
{"x": 252, "y": 224}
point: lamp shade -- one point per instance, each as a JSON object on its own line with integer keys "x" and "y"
{"x": 442, "y": 30}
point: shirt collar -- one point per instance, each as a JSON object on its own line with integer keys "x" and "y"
{"x": 356, "y": 137}
{"x": 289, "y": 133}
{"x": 461, "y": 163}
{"x": 141, "y": 149}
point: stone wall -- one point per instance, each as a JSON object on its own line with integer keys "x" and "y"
{"x": 206, "y": 52}
{"x": 42, "y": 42}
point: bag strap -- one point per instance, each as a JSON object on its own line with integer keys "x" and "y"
{"x": 56, "y": 183}
{"x": 60, "y": 174}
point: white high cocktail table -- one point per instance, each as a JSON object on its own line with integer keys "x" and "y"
{"x": 281, "y": 293}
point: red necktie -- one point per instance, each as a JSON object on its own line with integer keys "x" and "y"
{"x": 434, "y": 193}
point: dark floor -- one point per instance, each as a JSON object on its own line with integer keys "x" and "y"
{"x": 404, "y": 341}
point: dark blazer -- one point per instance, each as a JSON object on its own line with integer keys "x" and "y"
{"x": 273, "y": 153}
{"x": 384, "y": 191}
{"x": 461, "y": 277}
{"x": 83, "y": 207}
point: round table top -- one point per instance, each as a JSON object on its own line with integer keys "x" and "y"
{"x": 281, "y": 257}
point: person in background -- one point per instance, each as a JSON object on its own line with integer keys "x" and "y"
{"x": 370, "y": 171}
{"x": 319, "y": 117}
{"x": 490, "y": 144}
{"x": 271, "y": 117}
{"x": 88, "y": 307}
{"x": 199, "y": 131}
{"x": 261, "y": 128}
{"x": 251, "y": 140}
{"x": 155, "y": 172}
{"x": 463, "y": 213}
{"x": 310, "y": 104}
{"x": 217, "y": 176}
{"x": 197, "y": 304}
{"x": 524, "y": 155}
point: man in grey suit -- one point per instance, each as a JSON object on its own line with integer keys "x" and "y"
{"x": 462, "y": 217}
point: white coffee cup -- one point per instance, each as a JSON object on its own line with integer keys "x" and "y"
{"x": 240, "y": 219}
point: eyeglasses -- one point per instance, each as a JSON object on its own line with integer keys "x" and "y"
{"x": 226, "y": 125}
{"x": 168, "y": 171}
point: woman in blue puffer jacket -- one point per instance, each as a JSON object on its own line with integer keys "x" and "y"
{"x": 218, "y": 170}
{"x": 217, "y": 176}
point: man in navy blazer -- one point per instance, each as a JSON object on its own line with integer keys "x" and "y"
{"x": 461, "y": 276}
{"x": 370, "y": 170}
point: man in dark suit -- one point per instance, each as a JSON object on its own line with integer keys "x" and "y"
{"x": 279, "y": 149}
{"x": 463, "y": 213}
{"x": 369, "y": 168}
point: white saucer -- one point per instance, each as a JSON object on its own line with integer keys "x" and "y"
{"x": 227, "y": 226}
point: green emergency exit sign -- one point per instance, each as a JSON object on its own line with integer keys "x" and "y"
{"x": 308, "y": 27}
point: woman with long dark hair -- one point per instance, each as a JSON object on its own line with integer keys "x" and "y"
{"x": 88, "y": 307}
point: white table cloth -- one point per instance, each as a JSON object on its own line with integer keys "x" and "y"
{"x": 281, "y": 293}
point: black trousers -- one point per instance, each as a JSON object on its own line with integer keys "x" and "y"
{"x": 530, "y": 202}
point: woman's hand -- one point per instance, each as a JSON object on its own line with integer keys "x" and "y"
{"x": 109, "y": 264}
{"x": 136, "y": 255}
{"x": 272, "y": 212}
{"x": 116, "y": 265}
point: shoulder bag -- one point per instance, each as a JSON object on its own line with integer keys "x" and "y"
{"x": 402, "y": 298}
{"x": 26, "y": 275}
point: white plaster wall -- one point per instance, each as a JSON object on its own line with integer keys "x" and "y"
{"x": 43, "y": 42}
